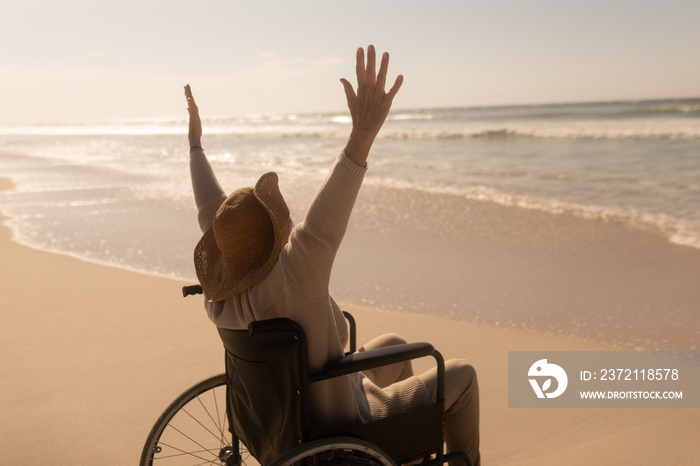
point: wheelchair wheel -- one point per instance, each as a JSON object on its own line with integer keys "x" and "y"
{"x": 193, "y": 430}
{"x": 335, "y": 451}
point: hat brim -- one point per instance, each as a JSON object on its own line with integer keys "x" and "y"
{"x": 222, "y": 277}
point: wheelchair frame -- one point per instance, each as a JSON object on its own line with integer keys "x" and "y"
{"x": 210, "y": 434}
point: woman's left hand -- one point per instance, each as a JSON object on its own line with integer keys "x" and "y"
{"x": 195, "y": 130}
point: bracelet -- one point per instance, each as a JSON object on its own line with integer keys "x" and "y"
{"x": 196, "y": 147}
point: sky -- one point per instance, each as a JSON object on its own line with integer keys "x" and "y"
{"x": 86, "y": 61}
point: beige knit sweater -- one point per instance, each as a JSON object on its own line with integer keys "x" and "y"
{"x": 298, "y": 287}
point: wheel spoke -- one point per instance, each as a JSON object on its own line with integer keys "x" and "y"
{"x": 193, "y": 441}
{"x": 218, "y": 425}
{"x": 218, "y": 438}
{"x": 188, "y": 453}
{"x": 206, "y": 462}
{"x": 218, "y": 417}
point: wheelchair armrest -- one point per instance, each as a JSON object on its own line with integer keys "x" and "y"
{"x": 364, "y": 360}
{"x": 384, "y": 356}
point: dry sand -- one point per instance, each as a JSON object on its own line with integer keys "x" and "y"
{"x": 91, "y": 355}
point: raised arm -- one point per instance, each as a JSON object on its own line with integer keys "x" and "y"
{"x": 370, "y": 105}
{"x": 208, "y": 193}
{"x": 314, "y": 243}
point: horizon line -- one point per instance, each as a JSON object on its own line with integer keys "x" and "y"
{"x": 97, "y": 120}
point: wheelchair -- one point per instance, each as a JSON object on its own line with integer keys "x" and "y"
{"x": 257, "y": 412}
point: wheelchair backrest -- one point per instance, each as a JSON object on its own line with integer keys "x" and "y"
{"x": 267, "y": 386}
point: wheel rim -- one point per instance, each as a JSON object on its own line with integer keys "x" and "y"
{"x": 193, "y": 430}
{"x": 335, "y": 451}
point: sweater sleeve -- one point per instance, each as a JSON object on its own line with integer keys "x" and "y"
{"x": 313, "y": 244}
{"x": 208, "y": 193}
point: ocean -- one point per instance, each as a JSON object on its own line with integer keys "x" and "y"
{"x": 118, "y": 192}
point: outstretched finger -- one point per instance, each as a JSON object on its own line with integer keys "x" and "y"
{"x": 349, "y": 91}
{"x": 395, "y": 88}
{"x": 383, "y": 67}
{"x": 360, "y": 66}
{"x": 190, "y": 100}
{"x": 371, "y": 65}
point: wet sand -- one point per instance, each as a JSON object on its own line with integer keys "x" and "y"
{"x": 602, "y": 279}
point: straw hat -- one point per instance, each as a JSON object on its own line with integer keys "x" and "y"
{"x": 244, "y": 241}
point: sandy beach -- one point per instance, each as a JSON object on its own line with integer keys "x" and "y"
{"x": 92, "y": 354}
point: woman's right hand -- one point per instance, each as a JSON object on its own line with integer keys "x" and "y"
{"x": 195, "y": 129}
{"x": 370, "y": 105}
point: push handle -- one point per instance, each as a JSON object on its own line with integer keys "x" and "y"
{"x": 191, "y": 289}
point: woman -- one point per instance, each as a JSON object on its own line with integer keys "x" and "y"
{"x": 254, "y": 264}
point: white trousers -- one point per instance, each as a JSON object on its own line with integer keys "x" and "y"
{"x": 461, "y": 395}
